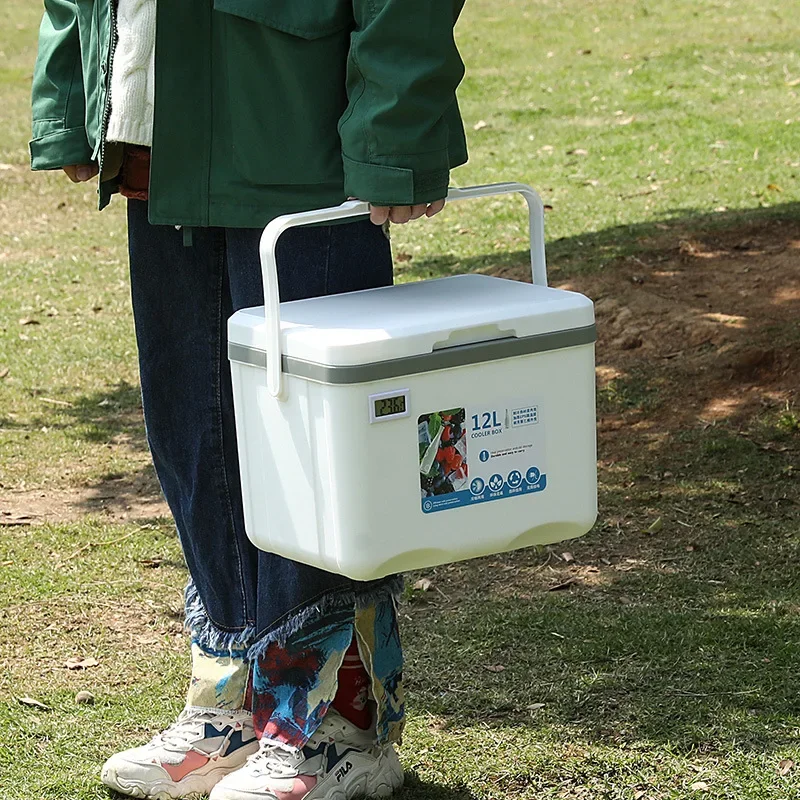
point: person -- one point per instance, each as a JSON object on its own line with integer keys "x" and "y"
{"x": 212, "y": 119}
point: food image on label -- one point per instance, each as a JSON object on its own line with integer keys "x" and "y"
{"x": 504, "y": 445}
{"x": 443, "y": 466}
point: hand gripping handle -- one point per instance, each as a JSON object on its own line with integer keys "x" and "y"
{"x": 355, "y": 208}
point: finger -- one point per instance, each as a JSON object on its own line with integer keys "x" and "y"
{"x": 400, "y": 214}
{"x": 86, "y": 172}
{"x": 71, "y": 173}
{"x": 379, "y": 214}
{"x": 435, "y": 207}
{"x": 418, "y": 211}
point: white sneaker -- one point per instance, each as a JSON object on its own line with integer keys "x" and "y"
{"x": 187, "y": 759}
{"x": 339, "y": 762}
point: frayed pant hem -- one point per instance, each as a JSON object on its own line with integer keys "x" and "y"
{"x": 210, "y": 637}
{"x": 391, "y": 588}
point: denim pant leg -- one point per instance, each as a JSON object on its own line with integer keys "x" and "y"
{"x": 182, "y": 297}
{"x": 179, "y": 312}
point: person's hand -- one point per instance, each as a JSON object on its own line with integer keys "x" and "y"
{"x": 78, "y": 173}
{"x": 402, "y": 214}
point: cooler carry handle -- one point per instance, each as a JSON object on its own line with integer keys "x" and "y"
{"x": 356, "y": 208}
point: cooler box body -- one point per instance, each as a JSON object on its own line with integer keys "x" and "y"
{"x": 417, "y": 425}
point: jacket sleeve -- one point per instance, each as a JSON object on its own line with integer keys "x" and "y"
{"x": 58, "y": 100}
{"x": 403, "y": 71}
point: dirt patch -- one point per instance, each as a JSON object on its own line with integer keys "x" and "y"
{"x": 697, "y": 329}
{"x": 126, "y": 498}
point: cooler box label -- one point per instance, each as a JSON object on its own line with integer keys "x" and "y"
{"x": 476, "y": 455}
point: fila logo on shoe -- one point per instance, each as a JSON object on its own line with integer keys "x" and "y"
{"x": 343, "y": 770}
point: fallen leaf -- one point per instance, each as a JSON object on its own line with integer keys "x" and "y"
{"x": 29, "y": 321}
{"x": 536, "y": 706}
{"x": 81, "y": 663}
{"x": 700, "y": 786}
{"x": 494, "y": 667}
{"x": 84, "y": 698}
{"x": 568, "y": 557}
{"x": 639, "y": 795}
{"x": 151, "y": 563}
{"x": 773, "y": 187}
{"x": 4, "y": 372}
{"x": 424, "y": 585}
{"x": 401, "y": 257}
{"x": 564, "y": 585}
{"x": 785, "y": 766}
{"x": 591, "y": 182}
{"x": 578, "y": 151}
{"x": 625, "y": 121}
{"x": 480, "y": 125}
{"x": 656, "y": 526}
{"x": 29, "y": 701}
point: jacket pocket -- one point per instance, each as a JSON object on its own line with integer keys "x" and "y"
{"x": 309, "y": 19}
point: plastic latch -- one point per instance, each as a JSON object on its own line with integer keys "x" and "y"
{"x": 484, "y": 333}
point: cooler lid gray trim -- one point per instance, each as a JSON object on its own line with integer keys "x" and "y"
{"x": 459, "y": 356}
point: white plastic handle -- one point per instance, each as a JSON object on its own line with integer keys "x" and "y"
{"x": 355, "y": 208}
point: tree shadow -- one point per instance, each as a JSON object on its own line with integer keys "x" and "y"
{"x": 595, "y": 250}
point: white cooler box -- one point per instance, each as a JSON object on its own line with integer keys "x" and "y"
{"x": 400, "y": 428}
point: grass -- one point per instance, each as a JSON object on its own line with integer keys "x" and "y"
{"x": 664, "y": 666}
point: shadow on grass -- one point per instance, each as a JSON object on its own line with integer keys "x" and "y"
{"x": 591, "y": 251}
{"x": 685, "y": 634}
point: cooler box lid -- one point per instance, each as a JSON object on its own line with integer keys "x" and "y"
{"x": 429, "y": 322}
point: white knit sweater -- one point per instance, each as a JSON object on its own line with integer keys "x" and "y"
{"x": 132, "y": 73}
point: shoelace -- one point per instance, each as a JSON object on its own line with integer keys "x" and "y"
{"x": 184, "y": 731}
{"x": 275, "y": 758}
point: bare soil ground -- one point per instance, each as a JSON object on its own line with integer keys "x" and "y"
{"x": 135, "y": 497}
{"x": 696, "y": 331}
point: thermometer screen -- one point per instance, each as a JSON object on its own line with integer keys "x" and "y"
{"x": 389, "y": 406}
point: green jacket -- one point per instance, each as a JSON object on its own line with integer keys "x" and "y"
{"x": 263, "y": 107}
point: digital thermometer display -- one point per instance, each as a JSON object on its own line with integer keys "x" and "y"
{"x": 388, "y": 406}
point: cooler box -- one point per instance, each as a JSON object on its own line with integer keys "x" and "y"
{"x": 400, "y": 428}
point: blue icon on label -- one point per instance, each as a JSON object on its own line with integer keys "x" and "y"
{"x": 496, "y": 483}
{"x": 533, "y": 475}
{"x": 477, "y": 486}
{"x": 427, "y": 505}
{"x": 484, "y": 456}
{"x": 514, "y": 478}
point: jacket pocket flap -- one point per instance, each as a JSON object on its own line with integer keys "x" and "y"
{"x": 309, "y": 19}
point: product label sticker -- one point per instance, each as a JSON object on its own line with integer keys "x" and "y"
{"x": 476, "y": 455}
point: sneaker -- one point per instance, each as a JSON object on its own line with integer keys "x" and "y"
{"x": 339, "y": 762}
{"x": 187, "y": 759}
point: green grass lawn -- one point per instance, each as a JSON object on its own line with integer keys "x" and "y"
{"x": 666, "y": 664}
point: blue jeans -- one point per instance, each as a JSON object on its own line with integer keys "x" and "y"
{"x": 238, "y": 597}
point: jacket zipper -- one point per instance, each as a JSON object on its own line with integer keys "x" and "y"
{"x": 106, "y": 68}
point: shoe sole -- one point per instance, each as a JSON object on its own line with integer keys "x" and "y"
{"x": 191, "y": 787}
{"x": 379, "y": 780}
